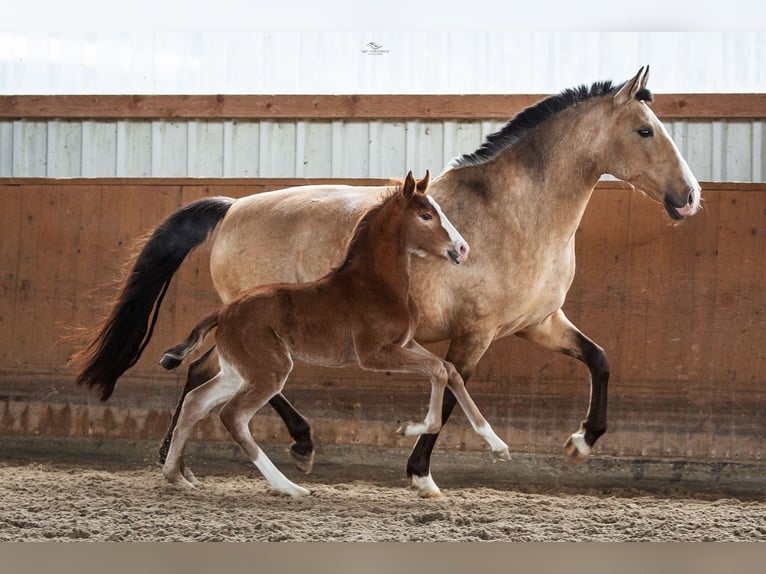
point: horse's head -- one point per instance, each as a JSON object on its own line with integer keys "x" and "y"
{"x": 642, "y": 153}
{"x": 427, "y": 228}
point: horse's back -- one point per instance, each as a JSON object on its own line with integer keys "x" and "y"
{"x": 290, "y": 235}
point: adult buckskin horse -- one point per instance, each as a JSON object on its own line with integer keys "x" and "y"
{"x": 519, "y": 197}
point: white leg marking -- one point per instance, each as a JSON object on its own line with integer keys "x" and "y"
{"x": 276, "y": 479}
{"x": 497, "y": 445}
{"x": 578, "y": 439}
{"x": 426, "y": 486}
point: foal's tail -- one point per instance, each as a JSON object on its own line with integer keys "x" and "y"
{"x": 176, "y": 355}
{"x": 126, "y": 331}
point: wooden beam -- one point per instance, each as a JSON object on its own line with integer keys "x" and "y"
{"x": 351, "y": 107}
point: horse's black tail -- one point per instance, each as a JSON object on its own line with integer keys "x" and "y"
{"x": 126, "y": 331}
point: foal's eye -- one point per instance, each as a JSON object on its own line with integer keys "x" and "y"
{"x": 645, "y": 132}
{"x": 426, "y": 217}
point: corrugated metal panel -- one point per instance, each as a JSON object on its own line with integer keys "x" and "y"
{"x": 716, "y": 151}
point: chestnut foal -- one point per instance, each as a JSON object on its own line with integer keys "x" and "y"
{"x": 361, "y": 312}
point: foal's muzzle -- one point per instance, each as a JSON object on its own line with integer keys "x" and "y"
{"x": 459, "y": 254}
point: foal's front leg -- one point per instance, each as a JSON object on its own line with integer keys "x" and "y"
{"x": 474, "y": 416}
{"x": 412, "y": 359}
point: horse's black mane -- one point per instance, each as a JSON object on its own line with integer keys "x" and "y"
{"x": 535, "y": 115}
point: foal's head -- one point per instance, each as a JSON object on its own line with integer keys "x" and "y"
{"x": 426, "y": 227}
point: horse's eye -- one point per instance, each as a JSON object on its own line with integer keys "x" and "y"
{"x": 645, "y": 132}
{"x": 426, "y": 217}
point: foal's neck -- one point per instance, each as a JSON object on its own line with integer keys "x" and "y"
{"x": 380, "y": 253}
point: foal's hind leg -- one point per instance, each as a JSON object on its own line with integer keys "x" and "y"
{"x": 205, "y": 368}
{"x": 259, "y": 387}
{"x": 201, "y": 370}
{"x": 198, "y": 403}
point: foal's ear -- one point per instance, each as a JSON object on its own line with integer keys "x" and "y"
{"x": 631, "y": 87}
{"x": 423, "y": 183}
{"x": 408, "y": 188}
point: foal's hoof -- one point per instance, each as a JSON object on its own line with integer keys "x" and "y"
{"x": 189, "y": 475}
{"x": 576, "y": 448}
{"x": 179, "y": 480}
{"x": 292, "y": 490}
{"x": 502, "y": 454}
{"x": 303, "y": 462}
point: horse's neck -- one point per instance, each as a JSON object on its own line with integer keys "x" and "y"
{"x": 548, "y": 179}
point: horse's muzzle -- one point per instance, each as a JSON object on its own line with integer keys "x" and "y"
{"x": 680, "y": 211}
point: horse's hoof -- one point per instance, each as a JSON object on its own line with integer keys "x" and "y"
{"x": 576, "y": 448}
{"x": 303, "y": 462}
{"x": 402, "y": 429}
{"x": 503, "y": 454}
{"x": 426, "y": 486}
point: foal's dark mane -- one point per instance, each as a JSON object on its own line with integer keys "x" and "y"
{"x": 534, "y": 115}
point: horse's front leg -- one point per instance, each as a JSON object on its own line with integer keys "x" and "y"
{"x": 558, "y": 333}
{"x": 206, "y": 367}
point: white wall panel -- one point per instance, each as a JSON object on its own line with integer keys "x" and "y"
{"x": 99, "y": 149}
{"x": 715, "y": 150}
{"x": 350, "y": 149}
{"x": 64, "y": 148}
{"x": 135, "y": 146}
{"x": 242, "y": 158}
{"x": 315, "y": 139}
{"x": 388, "y": 149}
{"x": 170, "y": 149}
{"x": 206, "y": 149}
{"x": 30, "y": 148}
{"x": 6, "y": 149}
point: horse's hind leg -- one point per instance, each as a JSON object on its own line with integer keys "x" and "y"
{"x": 474, "y": 416}
{"x": 198, "y": 403}
{"x": 302, "y": 450}
{"x": 259, "y": 387}
{"x": 558, "y": 333}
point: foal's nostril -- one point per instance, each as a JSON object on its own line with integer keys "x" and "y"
{"x": 690, "y": 198}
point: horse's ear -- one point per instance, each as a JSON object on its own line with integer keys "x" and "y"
{"x": 408, "y": 188}
{"x": 631, "y": 87}
{"x": 423, "y": 183}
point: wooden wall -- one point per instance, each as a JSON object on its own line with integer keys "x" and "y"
{"x": 680, "y": 310}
